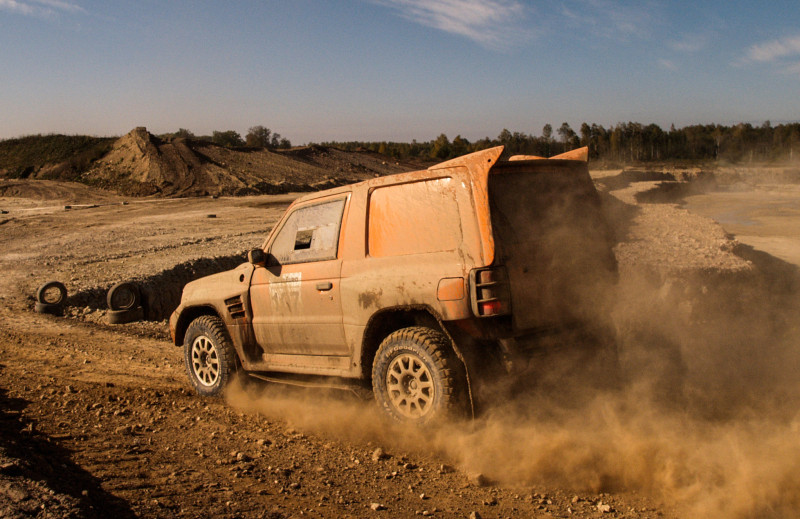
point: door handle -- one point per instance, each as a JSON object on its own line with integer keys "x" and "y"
{"x": 326, "y": 285}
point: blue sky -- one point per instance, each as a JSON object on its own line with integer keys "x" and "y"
{"x": 393, "y": 69}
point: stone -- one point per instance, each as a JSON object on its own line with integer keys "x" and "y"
{"x": 378, "y": 454}
{"x": 241, "y": 456}
{"x": 16, "y": 493}
{"x": 477, "y": 479}
{"x": 376, "y": 507}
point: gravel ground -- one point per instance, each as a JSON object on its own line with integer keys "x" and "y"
{"x": 98, "y": 420}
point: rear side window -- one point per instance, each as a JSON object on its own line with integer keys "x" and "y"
{"x": 311, "y": 233}
{"x": 414, "y": 218}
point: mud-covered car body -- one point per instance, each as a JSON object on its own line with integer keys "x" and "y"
{"x": 492, "y": 255}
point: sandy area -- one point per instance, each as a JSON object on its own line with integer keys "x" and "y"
{"x": 767, "y": 217}
{"x": 97, "y": 420}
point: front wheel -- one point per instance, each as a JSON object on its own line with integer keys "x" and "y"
{"x": 415, "y": 377}
{"x": 209, "y": 355}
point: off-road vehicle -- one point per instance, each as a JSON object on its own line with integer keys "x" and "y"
{"x": 418, "y": 284}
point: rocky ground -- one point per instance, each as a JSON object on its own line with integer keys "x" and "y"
{"x": 98, "y": 419}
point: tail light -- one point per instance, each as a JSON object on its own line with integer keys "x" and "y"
{"x": 489, "y": 292}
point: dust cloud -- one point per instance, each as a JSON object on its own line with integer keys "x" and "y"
{"x": 706, "y": 417}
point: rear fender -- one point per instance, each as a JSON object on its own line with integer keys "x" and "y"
{"x": 390, "y": 320}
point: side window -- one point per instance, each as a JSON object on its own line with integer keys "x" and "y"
{"x": 414, "y": 218}
{"x": 311, "y": 233}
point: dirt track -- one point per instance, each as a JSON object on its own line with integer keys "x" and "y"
{"x": 96, "y": 419}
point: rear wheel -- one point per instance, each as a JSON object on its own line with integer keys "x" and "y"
{"x": 415, "y": 377}
{"x": 209, "y": 355}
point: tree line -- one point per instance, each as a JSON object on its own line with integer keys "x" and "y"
{"x": 623, "y": 142}
{"x": 256, "y": 137}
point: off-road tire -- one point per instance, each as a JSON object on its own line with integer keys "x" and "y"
{"x": 45, "y": 293}
{"x": 123, "y": 296}
{"x": 126, "y": 316}
{"x": 416, "y": 377}
{"x": 48, "y": 308}
{"x": 209, "y": 356}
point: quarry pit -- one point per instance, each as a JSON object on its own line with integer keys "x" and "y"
{"x": 98, "y": 419}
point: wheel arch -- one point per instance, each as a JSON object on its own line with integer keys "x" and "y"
{"x": 187, "y": 316}
{"x": 389, "y": 320}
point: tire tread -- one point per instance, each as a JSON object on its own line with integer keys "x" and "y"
{"x": 437, "y": 345}
{"x": 216, "y": 330}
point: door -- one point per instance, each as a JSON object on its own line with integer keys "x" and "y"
{"x": 296, "y": 301}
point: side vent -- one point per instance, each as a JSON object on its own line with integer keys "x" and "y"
{"x": 235, "y": 307}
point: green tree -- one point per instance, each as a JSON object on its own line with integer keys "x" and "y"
{"x": 258, "y": 136}
{"x": 547, "y": 133}
{"x": 229, "y": 138}
{"x": 586, "y": 134}
{"x": 547, "y": 139}
{"x": 183, "y": 132}
{"x": 441, "y": 147}
{"x": 567, "y": 135}
{"x": 460, "y": 146}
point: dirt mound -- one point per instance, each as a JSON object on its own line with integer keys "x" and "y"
{"x": 141, "y": 164}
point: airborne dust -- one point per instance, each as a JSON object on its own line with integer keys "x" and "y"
{"x": 706, "y": 416}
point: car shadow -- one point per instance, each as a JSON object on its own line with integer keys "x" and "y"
{"x": 31, "y": 459}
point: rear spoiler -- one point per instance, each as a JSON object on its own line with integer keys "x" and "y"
{"x": 581, "y": 154}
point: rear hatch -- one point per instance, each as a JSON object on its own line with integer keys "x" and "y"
{"x": 552, "y": 238}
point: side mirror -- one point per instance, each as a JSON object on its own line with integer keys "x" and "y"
{"x": 257, "y": 257}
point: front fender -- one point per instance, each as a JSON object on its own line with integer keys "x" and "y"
{"x": 224, "y": 294}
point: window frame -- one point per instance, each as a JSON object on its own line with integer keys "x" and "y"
{"x": 345, "y": 198}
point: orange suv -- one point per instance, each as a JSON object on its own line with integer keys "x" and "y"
{"x": 412, "y": 283}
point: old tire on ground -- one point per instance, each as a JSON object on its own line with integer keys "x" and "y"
{"x": 52, "y": 293}
{"x": 209, "y": 355}
{"x": 48, "y": 308}
{"x": 126, "y": 316}
{"x": 123, "y": 296}
{"x": 415, "y": 377}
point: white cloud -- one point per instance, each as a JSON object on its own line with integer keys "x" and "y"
{"x": 61, "y": 5}
{"x": 506, "y": 23}
{"x": 16, "y": 7}
{"x": 774, "y": 50}
{"x": 609, "y": 18}
{"x": 41, "y": 8}
{"x": 781, "y": 54}
{"x": 492, "y": 23}
{"x": 689, "y": 43}
{"x": 667, "y": 64}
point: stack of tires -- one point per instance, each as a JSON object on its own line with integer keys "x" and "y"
{"x": 50, "y": 298}
{"x": 125, "y": 303}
